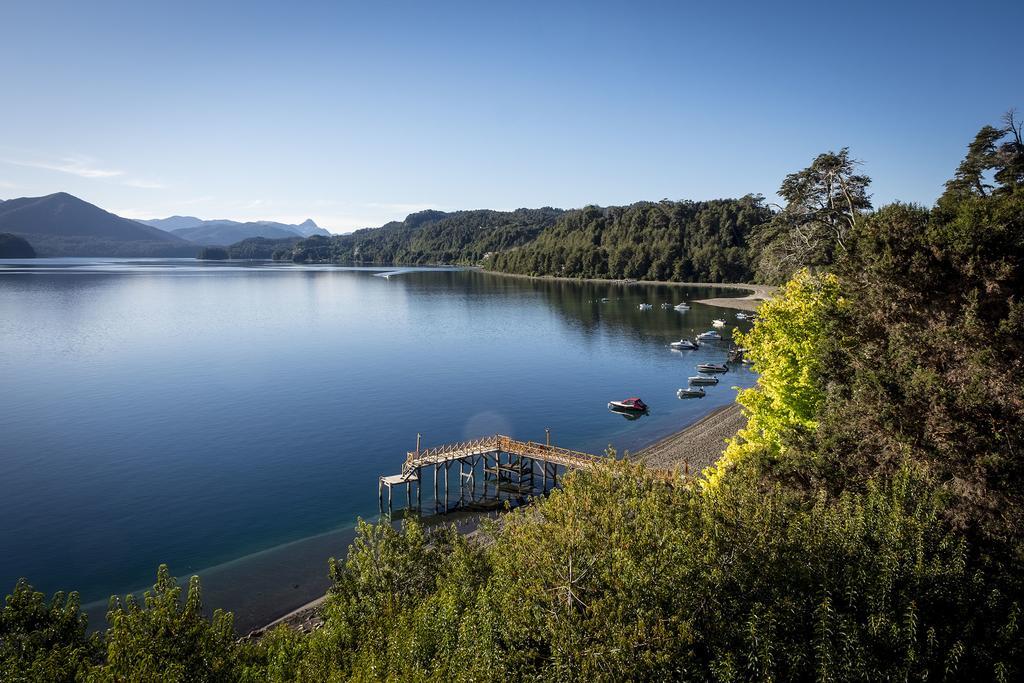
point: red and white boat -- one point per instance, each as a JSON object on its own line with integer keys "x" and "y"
{"x": 628, "y": 405}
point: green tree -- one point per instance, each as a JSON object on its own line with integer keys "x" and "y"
{"x": 823, "y": 203}
{"x": 44, "y": 641}
{"x": 788, "y": 345}
{"x": 165, "y": 639}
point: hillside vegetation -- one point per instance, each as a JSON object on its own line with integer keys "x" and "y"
{"x": 429, "y": 237}
{"x": 681, "y": 241}
{"x": 868, "y": 524}
{"x": 12, "y": 246}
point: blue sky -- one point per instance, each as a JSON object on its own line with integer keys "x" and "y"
{"x": 358, "y": 113}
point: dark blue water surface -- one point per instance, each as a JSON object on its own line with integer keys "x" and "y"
{"x": 196, "y": 413}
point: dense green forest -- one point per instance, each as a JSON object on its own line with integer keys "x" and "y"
{"x": 867, "y": 524}
{"x": 679, "y": 241}
{"x": 12, "y": 246}
{"x": 262, "y": 248}
{"x": 665, "y": 241}
{"x": 212, "y": 254}
{"x": 429, "y": 237}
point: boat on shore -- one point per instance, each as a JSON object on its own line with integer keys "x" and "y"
{"x": 628, "y": 405}
{"x": 737, "y": 355}
{"x": 712, "y": 367}
{"x": 690, "y": 392}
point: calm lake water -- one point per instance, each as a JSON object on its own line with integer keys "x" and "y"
{"x": 204, "y": 415}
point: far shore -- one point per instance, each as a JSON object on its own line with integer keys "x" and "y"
{"x": 757, "y": 293}
{"x": 695, "y": 446}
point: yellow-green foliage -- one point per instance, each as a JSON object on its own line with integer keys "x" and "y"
{"x": 787, "y": 344}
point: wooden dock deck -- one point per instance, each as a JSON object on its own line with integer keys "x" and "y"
{"x": 499, "y": 463}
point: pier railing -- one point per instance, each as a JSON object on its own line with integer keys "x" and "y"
{"x": 503, "y": 444}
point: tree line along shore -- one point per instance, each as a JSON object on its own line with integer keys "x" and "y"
{"x": 867, "y": 522}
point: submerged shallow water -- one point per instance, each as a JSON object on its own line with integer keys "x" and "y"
{"x": 205, "y": 414}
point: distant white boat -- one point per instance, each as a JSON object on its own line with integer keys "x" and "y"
{"x": 703, "y": 379}
{"x": 690, "y": 392}
{"x": 709, "y": 335}
{"x": 685, "y": 344}
{"x": 682, "y": 307}
{"x": 743, "y": 316}
{"x": 646, "y": 307}
{"x": 718, "y": 322}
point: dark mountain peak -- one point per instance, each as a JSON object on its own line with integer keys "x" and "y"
{"x": 65, "y": 215}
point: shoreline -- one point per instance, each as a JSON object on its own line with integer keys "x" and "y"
{"x": 756, "y": 293}
{"x": 698, "y": 445}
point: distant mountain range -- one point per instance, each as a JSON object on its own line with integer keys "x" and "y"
{"x": 225, "y": 232}
{"x": 63, "y": 225}
{"x": 65, "y": 214}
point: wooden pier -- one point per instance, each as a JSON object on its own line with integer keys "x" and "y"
{"x": 488, "y": 467}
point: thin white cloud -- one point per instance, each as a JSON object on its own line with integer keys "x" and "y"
{"x": 83, "y": 167}
{"x": 144, "y": 184}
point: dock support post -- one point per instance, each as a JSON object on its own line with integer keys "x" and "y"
{"x": 435, "y": 488}
{"x": 380, "y": 495}
{"x": 445, "y": 467}
{"x": 419, "y": 489}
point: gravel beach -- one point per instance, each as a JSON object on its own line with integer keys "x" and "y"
{"x": 698, "y": 445}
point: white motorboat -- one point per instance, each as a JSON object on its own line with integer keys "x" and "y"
{"x": 703, "y": 379}
{"x": 690, "y": 392}
{"x": 685, "y": 344}
{"x": 712, "y": 367}
{"x": 646, "y": 307}
{"x": 709, "y": 335}
{"x": 718, "y": 322}
{"x": 682, "y": 307}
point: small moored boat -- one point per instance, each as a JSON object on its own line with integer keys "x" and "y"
{"x": 718, "y": 322}
{"x": 703, "y": 379}
{"x": 713, "y": 367}
{"x": 646, "y": 307}
{"x": 743, "y": 316}
{"x": 682, "y": 307}
{"x": 709, "y": 335}
{"x": 690, "y": 392}
{"x": 628, "y": 405}
{"x": 685, "y": 344}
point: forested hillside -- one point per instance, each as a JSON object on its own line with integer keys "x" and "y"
{"x": 430, "y": 237}
{"x": 867, "y": 524}
{"x": 680, "y": 241}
